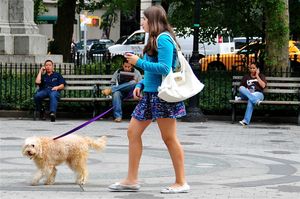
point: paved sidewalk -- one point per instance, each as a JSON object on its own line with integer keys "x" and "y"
{"x": 223, "y": 161}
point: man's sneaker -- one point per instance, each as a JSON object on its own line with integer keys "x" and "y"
{"x": 237, "y": 98}
{"x": 106, "y": 91}
{"x": 243, "y": 123}
{"x": 52, "y": 117}
{"x": 258, "y": 102}
{"x": 118, "y": 119}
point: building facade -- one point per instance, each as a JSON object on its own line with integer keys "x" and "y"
{"x": 123, "y": 25}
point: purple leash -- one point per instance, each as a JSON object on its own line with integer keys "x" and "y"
{"x": 84, "y": 124}
{"x": 91, "y": 120}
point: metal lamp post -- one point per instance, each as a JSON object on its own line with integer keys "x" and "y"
{"x": 194, "y": 113}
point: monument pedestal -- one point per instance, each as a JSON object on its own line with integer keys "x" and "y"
{"x": 6, "y": 44}
{"x": 20, "y": 40}
{"x": 30, "y": 58}
{"x": 30, "y": 44}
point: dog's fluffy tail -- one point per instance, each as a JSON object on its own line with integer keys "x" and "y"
{"x": 98, "y": 144}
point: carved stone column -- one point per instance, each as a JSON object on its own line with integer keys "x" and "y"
{"x": 27, "y": 40}
{"x": 20, "y": 40}
{"x": 6, "y": 39}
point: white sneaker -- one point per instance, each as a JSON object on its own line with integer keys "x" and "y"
{"x": 243, "y": 123}
{"x": 173, "y": 190}
{"x": 237, "y": 98}
{"x": 258, "y": 102}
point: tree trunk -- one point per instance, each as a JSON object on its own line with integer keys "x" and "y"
{"x": 277, "y": 34}
{"x": 64, "y": 28}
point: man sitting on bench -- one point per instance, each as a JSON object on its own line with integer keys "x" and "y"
{"x": 50, "y": 84}
{"x": 123, "y": 83}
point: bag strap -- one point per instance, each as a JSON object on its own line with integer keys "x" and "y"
{"x": 165, "y": 33}
{"x": 178, "y": 50}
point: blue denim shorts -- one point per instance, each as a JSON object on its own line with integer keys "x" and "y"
{"x": 152, "y": 107}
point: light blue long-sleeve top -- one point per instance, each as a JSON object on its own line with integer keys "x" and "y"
{"x": 155, "y": 67}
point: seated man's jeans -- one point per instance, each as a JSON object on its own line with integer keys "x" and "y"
{"x": 44, "y": 93}
{"x": 252, "y": 98}
{"x": 120, "y": 92}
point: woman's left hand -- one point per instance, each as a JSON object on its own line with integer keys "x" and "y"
{"x": 137, "y": 93}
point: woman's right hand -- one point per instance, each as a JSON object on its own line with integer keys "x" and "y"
{"x": 137, "y": 93}
{"x": 131, "y": 58}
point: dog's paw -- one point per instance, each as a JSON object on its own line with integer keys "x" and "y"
{"x": 80, "y": 181}
{"x": 49, "y": 182}
{"x": 34, "y": 183}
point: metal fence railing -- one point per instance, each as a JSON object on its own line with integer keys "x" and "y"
{"x": 17, "y": 85}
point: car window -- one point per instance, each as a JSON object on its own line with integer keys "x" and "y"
{"x": 108, "y": 42}
{"x": 239, "y": 44}
{"x": 121, "y": 39}
{"x": 226, "y": 39}
{"x": 99, "y": 46}
{"x": 136, "y": 39}
{"x": 79, "y": 45}
{"x": 253, "y": 47}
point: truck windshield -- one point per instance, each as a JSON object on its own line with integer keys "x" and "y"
{"x": 136, "y": 39}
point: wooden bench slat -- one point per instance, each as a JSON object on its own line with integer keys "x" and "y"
{"x": 288, "y": 79}
{"x": 272, "y": 84}
{"x": 84, "y": 82}
{"x": 74, "y": 99}
{"x": 284, "y": 91}
{"x": 79, "y": 88}
{"x": 267, "y": 102}
{"x": 87, "y": 76}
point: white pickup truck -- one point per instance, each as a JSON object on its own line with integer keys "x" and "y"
{"x": 137, "y": 40}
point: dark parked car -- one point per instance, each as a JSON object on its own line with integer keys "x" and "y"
{"x": 121, "y": 39}
{"x": 98, "y": 49}
{"x": 108, "y": 42}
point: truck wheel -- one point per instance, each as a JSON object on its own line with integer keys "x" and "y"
{"x": 216, "y": 66}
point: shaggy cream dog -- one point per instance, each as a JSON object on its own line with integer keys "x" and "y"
{"x": 48, "y": 153}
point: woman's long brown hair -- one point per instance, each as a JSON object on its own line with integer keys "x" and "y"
{"x": 158, "y": 23}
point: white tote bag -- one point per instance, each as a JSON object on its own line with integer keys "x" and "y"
{"x": 180, "y": 85}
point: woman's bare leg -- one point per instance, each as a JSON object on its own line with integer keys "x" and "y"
{"x": 167, "y": 128}
{"x": 135, "y": 131}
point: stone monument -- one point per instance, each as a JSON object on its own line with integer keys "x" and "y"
{"x": 20, "y": 41}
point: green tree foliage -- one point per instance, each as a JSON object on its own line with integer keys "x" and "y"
{"x": 112, "y": 9}
{"x": 240, "y": 18}
{"x": 39, "y": 8}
